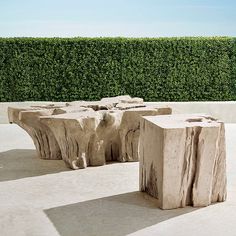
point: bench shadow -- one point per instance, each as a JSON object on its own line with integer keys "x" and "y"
{"x": 21, "y": 163}
{"x": 115, "y": 215}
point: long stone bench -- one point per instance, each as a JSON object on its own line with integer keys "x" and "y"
{"x": 183, "y": 160}
{"x": 85, "y": 133}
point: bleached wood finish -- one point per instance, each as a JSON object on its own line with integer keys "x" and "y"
{"x": 183, "y": 160}
{"x": 43, "y": 138}
{"x": 85, "y": 133}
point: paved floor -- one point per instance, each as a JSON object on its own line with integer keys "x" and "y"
{"x": 44, "y": 198}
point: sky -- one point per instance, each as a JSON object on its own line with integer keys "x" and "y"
{"x": 117, "y": 18}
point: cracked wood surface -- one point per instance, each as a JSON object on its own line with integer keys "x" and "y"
{"x": 184, "y": 158}
{"x": 86, "y": 133}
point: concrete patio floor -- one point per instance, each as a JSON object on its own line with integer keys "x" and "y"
{"x": 44, "y": 198}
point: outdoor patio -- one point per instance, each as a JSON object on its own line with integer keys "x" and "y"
{"x": 43, "y": 197}
{"x": 117, "y": 118}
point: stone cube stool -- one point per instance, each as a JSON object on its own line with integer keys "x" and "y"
{"x": 183, "y": 160}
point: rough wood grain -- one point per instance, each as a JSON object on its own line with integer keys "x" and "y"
{"x": 86, "y": 133}
{"x": 43, "y": 138}
{"x": 183, "y": 160}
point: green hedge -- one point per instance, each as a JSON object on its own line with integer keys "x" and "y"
{"x": 160, "y": 69}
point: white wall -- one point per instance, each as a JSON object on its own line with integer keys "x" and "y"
{"x": 225, "y": 111}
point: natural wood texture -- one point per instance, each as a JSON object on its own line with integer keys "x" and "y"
{"x": 85, "y": 133}
{"x": 183, "y": 160}
{"x": 43, "y": 138}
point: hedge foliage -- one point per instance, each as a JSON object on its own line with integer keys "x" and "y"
{"x": 158, "y": 69}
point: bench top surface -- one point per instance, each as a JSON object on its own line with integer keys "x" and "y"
{"x": 183, "y": 121}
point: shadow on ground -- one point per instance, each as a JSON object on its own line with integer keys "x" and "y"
{"x": 116, "y": 215}
{"x": 21, "y": 163}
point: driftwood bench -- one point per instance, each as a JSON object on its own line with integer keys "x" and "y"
{"x": 183, "y": 160}
{"x": 86, "y": 133}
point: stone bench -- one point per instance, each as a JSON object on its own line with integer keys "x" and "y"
{"x": 84, "y": 133}
{"x": 183, "y": 160}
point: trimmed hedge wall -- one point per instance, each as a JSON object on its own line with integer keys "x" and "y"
{"x": 160, "y": 69}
